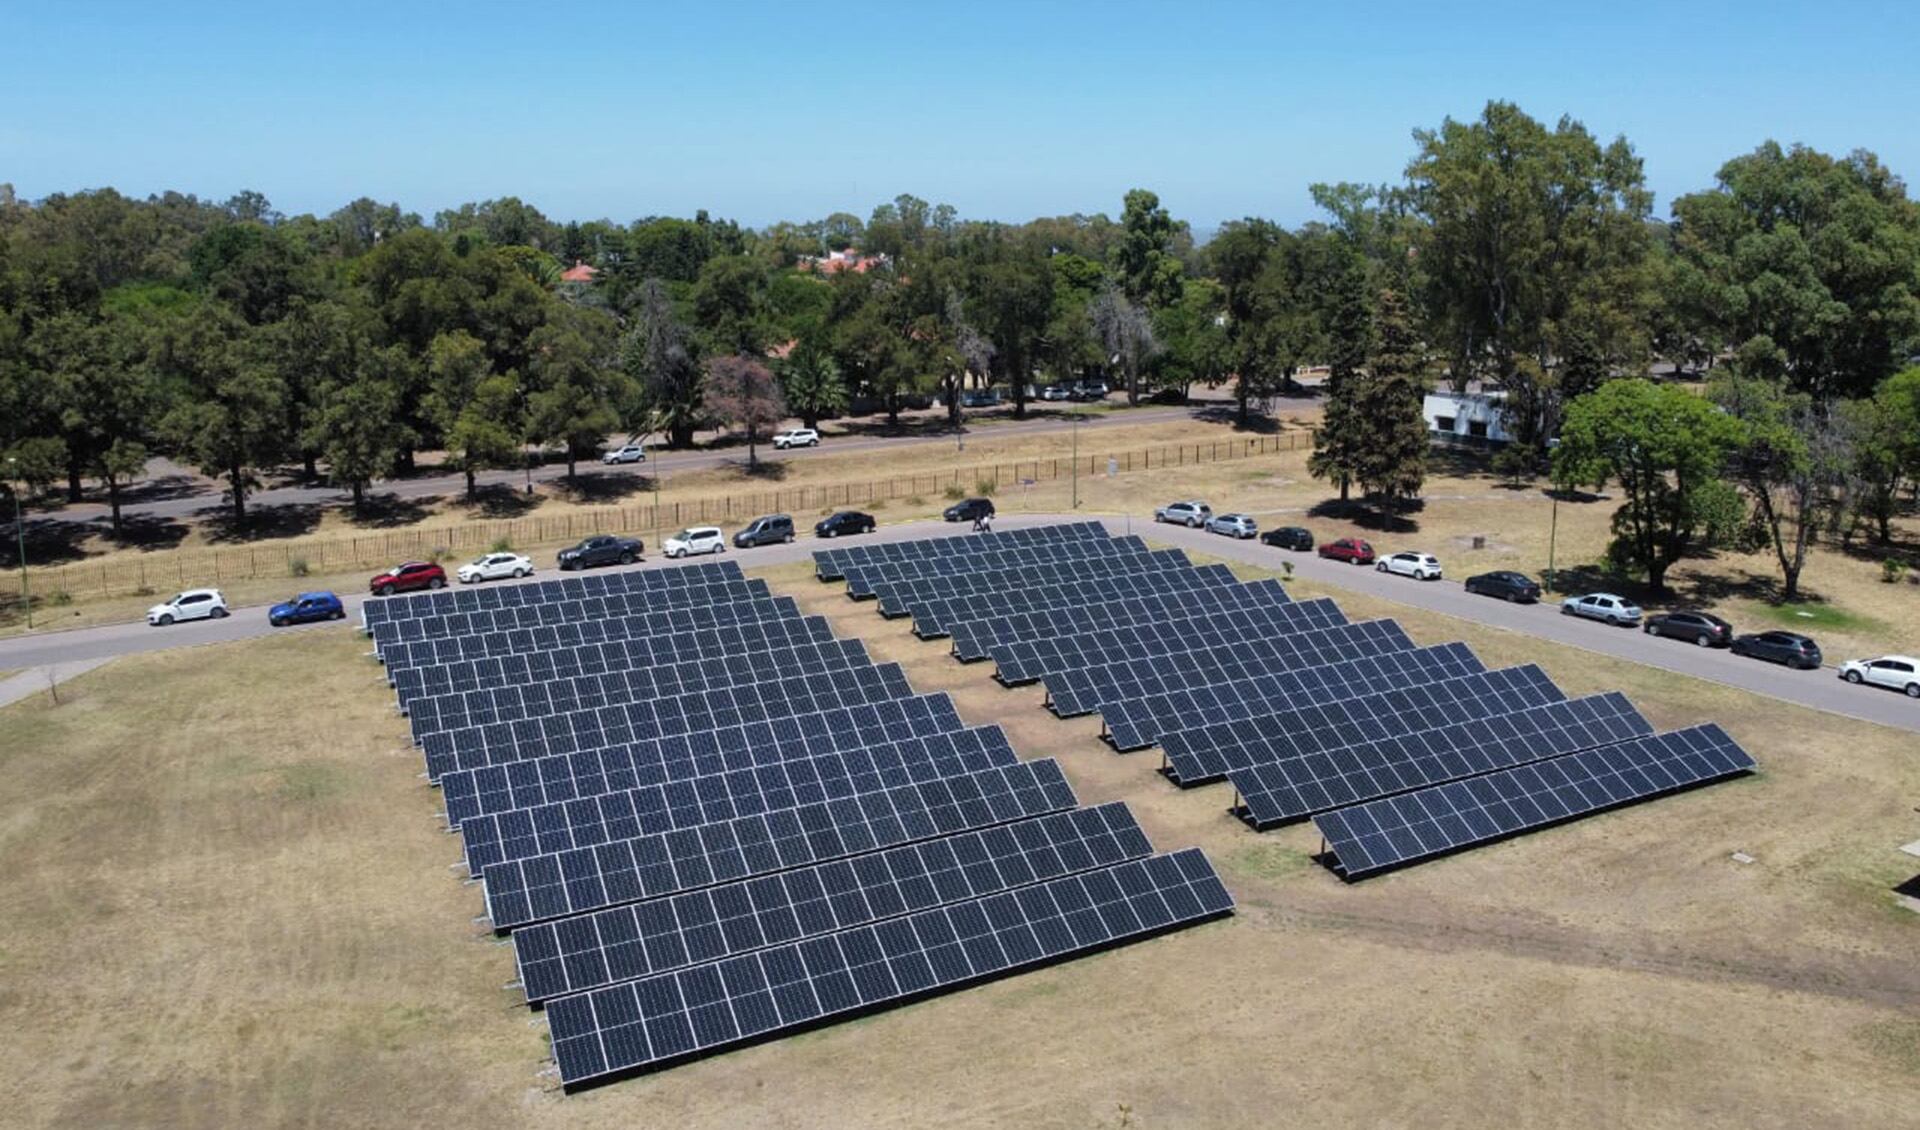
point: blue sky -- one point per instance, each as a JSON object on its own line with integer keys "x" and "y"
{"x": 1006, "y": 110}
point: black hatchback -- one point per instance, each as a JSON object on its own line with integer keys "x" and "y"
{"x": 1289, "y": 537}
{"x": 970, "y": 510}
{"x": 1790, "y": 648}
{"x": 844, "y": 523}
{"x": 1505, "y": 584}
{"x": 1703, "y": 629}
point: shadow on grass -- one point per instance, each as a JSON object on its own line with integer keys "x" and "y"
{"x": 50, "y": 541}
{"x": 284, "y": 520}
{"x": 501, "y": 500}
{"x": 1380, "y": 518}
{"x": 589, "y": 487}
{"x": 1258, "y": 423}
{"x": 385, "y": 511}
{"x": 149, "y": 532}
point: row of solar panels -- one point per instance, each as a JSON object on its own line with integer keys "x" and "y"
{"x": 445, "y": 602}
{"x": 1307, "y": 715}
{"x": 830, "y": 564}
{"x": 770, "y": 811}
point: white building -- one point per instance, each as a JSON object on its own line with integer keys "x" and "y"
{"x": 1467, "y": 417}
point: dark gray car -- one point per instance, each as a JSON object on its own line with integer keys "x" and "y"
{"x": 770, "y": 530}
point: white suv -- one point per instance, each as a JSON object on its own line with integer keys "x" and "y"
{"x": 695, "y": 539}
{"x": 1895, "y": 672}
{"x": 1419, "y": 566}
{"x": 494, "y": 566}
{"x": 194, "y": 604}
{"x": 798, "y": 437}
{"x": 1190, "y": 514}
{"x": 631, "y": 453}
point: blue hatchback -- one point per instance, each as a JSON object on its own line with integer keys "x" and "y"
{"x": 305, "y": 608}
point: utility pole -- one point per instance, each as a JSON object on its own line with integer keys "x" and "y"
{"x": 20, "y": 529}
{"x": 1076, "y": 460}
{"x": 1553, "y": 532}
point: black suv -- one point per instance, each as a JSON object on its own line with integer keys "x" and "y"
{"x": 1790, "y": 648}
{"x": 844, "y": 523}
{"x": 1703, "y": 628}
{"x": 970, "y": 510}
{"x": 1289, "y": 537}
{"x": 1505, "y": 584}
{"x": 601, "y": 549}
{"x": 765, "y": 531}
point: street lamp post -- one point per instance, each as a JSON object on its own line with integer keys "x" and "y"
{"x": 1553, "y": 533}
{"x": 20, "y": 530}
{"x": 1076, "y": 460}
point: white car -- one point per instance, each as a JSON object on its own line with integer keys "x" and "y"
{"x": 494, "y": 566}
{"x": 798, "y": 437}
{"x": 194, "y": 604}
{"x": 1895, "y": 672}
{"x": 630, "y": 453}
{"x": 1419, "y": 566}
{"x": 695, "y": 539}
{"x": 1191, "y": 514}
{"x": 1602, "y": 606}
{"x": 1232, "y": 525}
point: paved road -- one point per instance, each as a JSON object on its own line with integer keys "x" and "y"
{"x": 207, "y": 498}
{"x": 1820, "y": 690}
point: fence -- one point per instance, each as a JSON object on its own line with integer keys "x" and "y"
{"x": 178, "y": 569}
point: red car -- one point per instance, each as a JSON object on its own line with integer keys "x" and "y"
{"x": 406, "y": 578}
{"x": 1348, "y": 549}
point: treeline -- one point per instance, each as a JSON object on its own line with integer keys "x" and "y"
{"x": 1512, "y": 254}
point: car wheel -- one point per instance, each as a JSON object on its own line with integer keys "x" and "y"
{"x": 273, "y": 622}
{"x": 519, "y": 573}
{"x": 1565, "y": 611}
{"x": 788, "y": 540}
{"x": 1380, "y": 568}
{"x": 1913, "y": 690}
{"x": 1613, "y": 620}
{"x": 626, "y": 559}
{"x": 218, "y": 614}
{"x": 1159, "y": 517}
{"x": 338, "y": 614}
{"x": 386, "y": 590}
{"x": 1703, "y": 641}
{"x": 826, "y": 533}
{"x": 166, "y": 618}
{"x": 436, "y": 583}
{"x": 1853, "y": 677}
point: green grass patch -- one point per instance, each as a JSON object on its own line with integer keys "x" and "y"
{"x": 1894, "y": 1042}
{"x": 1804, "y": 616}
{"x": 1268, "y": 861}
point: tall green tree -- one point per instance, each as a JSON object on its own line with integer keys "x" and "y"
{"x": 812, "y": 383}
{"x": 1124, "y": 333}
{"x": 1391, "y": 462}
{"x": 1806, "y": 264}
{"x": 1344, "y": 431}
{"x": 1193, "y": 333}
{"x": 1143, "y": 261}
{"x": 577, "y": 383}
{"x": 730, "y": 305}
{"x": 1533, "y": 239}
{"x": 1792, "y": 458}
{"x": 230, "y": 415}
{"x": 356, "y": 427}
{"x": 659, "y": 356}
{"x": 1667, "y": 448}
{"x": 475, "y": 408}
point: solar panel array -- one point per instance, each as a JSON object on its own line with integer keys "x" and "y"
{"x": 671, "y": 774}
{"x": 1397, "y": 752}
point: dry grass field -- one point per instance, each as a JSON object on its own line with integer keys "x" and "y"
{"x": 227, "y": 903}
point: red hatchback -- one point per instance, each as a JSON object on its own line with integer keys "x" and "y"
{"x": 1348, "y": 549}
{"x": 406, "y": 578}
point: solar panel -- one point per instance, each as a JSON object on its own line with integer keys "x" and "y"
{"x": 1138, "y": 723}
{"x": 443, "y": 601}
{"x": 648, "y": 1023}
{"x": 549, "y": 637}
{"x": 862, "y": 579}
{"x": 896, "y": 596}
{"x": 1297, "y": 786}
{"x": 684, "y": 600}
{"x": 1083, "y": 690}
{"x": 564, "y": 826}
{"x": 931, "y": 618}
{"x": 829, "y": 563}
{"x": 1368, "y": 838}
{"x": 642, "y": 940}
{"x": 492, "y": 705}
{"x": 1016, "y": 664}
{"x": 532, "y": 890}
{"x": 1382, "y": 713}
{"x": 600, "y": 658}
{"x": 976, "y": 639}
{"x": 548, "y": 780}
{"x": 474, "y": 746}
